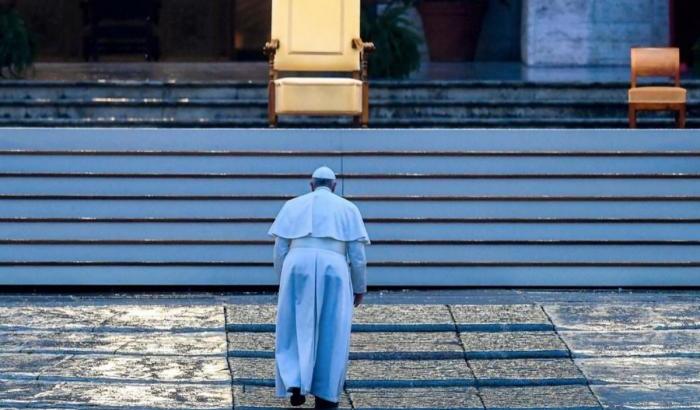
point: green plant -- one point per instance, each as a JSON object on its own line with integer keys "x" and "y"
{"x": 395, "y": 38}
{"x": 17, "y": 44}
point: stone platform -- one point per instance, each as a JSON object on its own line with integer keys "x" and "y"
{"x": 447, "y": 349}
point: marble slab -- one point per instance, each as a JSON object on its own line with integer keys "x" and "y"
{"x": 127, "y": 369}
{"x": 188, "y": 318}
{"x": 260, "y": 397}
{"x": 250, "y": 342}
{"x": 542, "y": 397}
{"x": 408, "y": 373}
{"x": 436, "y": 398}
{"x": 586, "y": 344}
{"x": 654, "y": 396}
{"x": 624, "y": 316}
{"x": 487, "y": 345}
{"x": 83, "y": 317}
{"x": 251, "y": 314}
{"x": 252, "y": 370}
{"x": 523, "y": 372}
{"x": 386, "y": 345}
{"x": 169, "y": 343}
{"x": 641, "y": 370}
{"x": 396, "y": 316}
{"x": 28, "y": 366}
{"x": 500, "y": 317}
{"x": 85, "y": 395}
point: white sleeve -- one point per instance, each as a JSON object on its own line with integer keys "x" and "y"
{"x": 358, "y": 266}
{"x": 279, "y": 252}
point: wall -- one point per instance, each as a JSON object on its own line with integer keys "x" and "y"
{"x": 590, "y": 32}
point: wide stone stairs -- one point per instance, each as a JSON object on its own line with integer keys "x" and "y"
{"x": 469, "y": 103}
{"x": 424, "y": 356}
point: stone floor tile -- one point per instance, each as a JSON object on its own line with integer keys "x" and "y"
{"x": 259, "y": 397}
{"x": 156, "y": 396}
{"x": 248, "y": 314}
{"x": 251, "y": 341}
{"x": 378, "y": 373}
{"x": 512, "y": 344}
{"x": 656, "y": 396}
{"x": 541, "y": 397}
{"x": 624, "y": 316}
{"x": 526, "y": 371}
{"x": 14, "y": 365}
{"x": 167, "y": 317}
{"x": 499, "y": 314}
{"x": 402, "y": 314}
{"x": 67, "y": 317}
{"x": 437, "y": 398}
{"x": 181, "y": 344}
{"x": 634, "y": 343}
{"x": 643, "y": 370}
{"x": 140, "y": 368}
{"x": 245, "y": 369}
{"x": 425, "y": 344}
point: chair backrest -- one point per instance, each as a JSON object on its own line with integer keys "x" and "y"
{"x": 316, "y": 35}
{"x": 655, "y": 61}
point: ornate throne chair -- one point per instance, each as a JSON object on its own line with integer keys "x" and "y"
{"x": 662, "y": 61}
{"x": 319, "y": 36}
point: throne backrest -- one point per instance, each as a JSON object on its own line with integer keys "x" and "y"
{"x": 316, "y": 35}
{"x": 655, "y": 61}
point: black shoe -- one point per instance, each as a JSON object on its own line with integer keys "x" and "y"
{"x": 297, "y": 399}
{"x": 325, "y": 404}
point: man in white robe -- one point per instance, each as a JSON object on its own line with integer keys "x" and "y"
{"x": 316, "y": 235}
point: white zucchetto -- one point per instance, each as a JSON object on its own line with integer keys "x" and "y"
{"x": 324, "y": 173}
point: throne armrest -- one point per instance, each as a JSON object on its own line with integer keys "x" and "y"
{"x": 271, "y": 47}
{"x": 366, "y": 47}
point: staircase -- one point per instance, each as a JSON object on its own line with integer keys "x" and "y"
{"x": 443, "y": 207}
{"x": 503, "y": 104}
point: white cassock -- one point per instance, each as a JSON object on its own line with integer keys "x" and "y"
{"x": 315, "y": 303}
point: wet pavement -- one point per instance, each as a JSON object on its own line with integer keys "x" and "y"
{"x": 444, "y": 349}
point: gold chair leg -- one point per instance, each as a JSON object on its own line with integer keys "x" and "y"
{"x": 681, "y": 118}
{"x": 632, "y": 116}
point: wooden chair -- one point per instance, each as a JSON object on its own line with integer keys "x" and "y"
{"x": 317, "y": 36}
{"x": 660, "y": 62}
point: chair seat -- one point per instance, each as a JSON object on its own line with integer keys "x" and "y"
{"x": 320, "y": 96}
{"x": 657, "y": 95}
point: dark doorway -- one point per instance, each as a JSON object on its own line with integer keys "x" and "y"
{"x": 685, "y": 30}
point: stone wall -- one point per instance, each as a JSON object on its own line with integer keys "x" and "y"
{"x": 590, "y": 32}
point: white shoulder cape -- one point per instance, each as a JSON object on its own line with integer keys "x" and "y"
{"x": 320, "y": 213}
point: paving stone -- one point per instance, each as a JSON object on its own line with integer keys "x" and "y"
{"x": 248, "y": 314}
{"x": 515, "y": 317}
{"x": 437, "y": 398}
{"x": 645, "y": 370}
{"x": 140, "y": 368}
{"x": 425, "y": 316}
{"x": 16, "y": 392}
{"x": 634, "y": 343}
{"x": 14, "y": 365}
{"x": 542, "y": 397}
{"x": 259, "y": 397}
{"x": 182, "y": 344}
{"x": 639, "y": 396}
{"x": 512, "y": 345}
{"x": 167, "y": 317}
{"x": 85, "y": 395}
{"x": 624, "y": 316}
{"x": 252, "y": 370}
{"x": 526, "y": 372}
{"x": 251, "y": 341}
{"x": 54, "y": 317}
{"x": 409, "y": 373}
{"x": 405, "y": 344}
